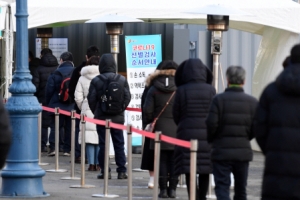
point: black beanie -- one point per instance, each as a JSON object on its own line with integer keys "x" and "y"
{"x": 295, "y": 54}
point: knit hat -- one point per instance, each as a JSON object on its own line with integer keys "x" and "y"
{"x": 295, "y": 54}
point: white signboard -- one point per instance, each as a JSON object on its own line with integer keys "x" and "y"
{"x": 143, "y": 54}
{"x": 57, "y": 45}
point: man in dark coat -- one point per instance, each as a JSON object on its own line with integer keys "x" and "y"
{"x": 192, "y": 100}
{"x": 229, "y": 129}
{"x": 48, "y": 64}
{"x": 107, "y": 67}
{"x": 91, "y": 51}
{"x": 276, "y": 128}
{"x": 5, "y": 134}
{"x": 52, "y": 100}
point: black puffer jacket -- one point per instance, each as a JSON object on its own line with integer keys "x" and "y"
{"x": 229, "y": 125}
{"x": 48, "y": 64}
{"x": 191, "y": 105}
{"x": 277, "y": 129}
{"x": 157, "y": 96}
{"x": 107, "y": 67}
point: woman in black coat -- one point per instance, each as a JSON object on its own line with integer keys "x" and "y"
{"x": 192, "y": 100}
{"x": 277, "y": 125}
{"x": 161, "y": 91}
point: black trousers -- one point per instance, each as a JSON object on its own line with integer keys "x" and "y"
{"x": 202, "y": 186}
{"x": 222, "y": 170}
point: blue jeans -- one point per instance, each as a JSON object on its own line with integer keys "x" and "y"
{"x": 118, "y": 142}
{"x": 92, "y": 151}
{"x": 64, "y": 124}
{"x": 222, "y": 170}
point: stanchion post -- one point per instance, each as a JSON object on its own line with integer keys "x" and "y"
{"x": 56, "y": 143}
{"x": 40, "y": 138}
{"x": 129, "y": 160}
{"x": 193, "y": 165}
{"x": 156, "y": 163}
{"x": 106, "y": 159}
{"x": 72, "y": 173}
{"x": 82, "y": 181}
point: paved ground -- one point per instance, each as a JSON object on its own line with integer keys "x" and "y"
{"x": 60, "y": 189}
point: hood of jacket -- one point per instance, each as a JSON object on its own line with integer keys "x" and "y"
{"x": 107, "y": 63}
{"x": 162, "y": 80}
{"x": 48, "y": 60}
{"x": 288, "y": 81}
{"x": 192, "y": 70}
{"x": 90, "y": 71}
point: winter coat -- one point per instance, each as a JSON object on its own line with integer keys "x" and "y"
{"x": 33, "y": 65}
{"x": 277, "y": 125}
{"x": 229, "y": 125}
{"x": 53, "y": 87}
{"x": 107, "y": 67}
{"x": 81, "y": 93}
{"x": 157, "y": 96}
{"x": 73, "y": 83}
{"x": 190, "y": 109}
{"x": 5, "y": 134}
{"x": 48, "y": 64}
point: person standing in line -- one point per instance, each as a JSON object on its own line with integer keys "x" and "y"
{"x": 158, "y": 103}
{"x": 33, "y": 62}
{"x": 192, "y": 100}
{"x": 48, "y": 64}
{"x": 147, "y": 162}
{"x": 91, "y": 51}
{"x": 276, "y": 128}
{"x": 97, "y": 95}
{"x": 5, "y": 134}
{"x": 229, "y": 130}
{"x": 81, "y": 92}
{"x": 52, "y": 100}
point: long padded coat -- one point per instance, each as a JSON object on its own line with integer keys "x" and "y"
{"x": 81, "y": 92}
{"x": 191, "y": 105}
{"x": 277, "y": 129}
{"x": 156, "y": 99}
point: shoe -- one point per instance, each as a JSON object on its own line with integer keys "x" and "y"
{"x": 163, "y": 194}
{"x": 51, "y": 153}
{"x": 151, "y": 182}
{"x": 98, "y": 168}
{"x": 122, "y": 175}
{"x": 92, "y": 168}
{"x": 67, "y": 154}
{"x": 171, "y": 193}
{"x": 101, "y": 176}
{"x": 44, "y": 149}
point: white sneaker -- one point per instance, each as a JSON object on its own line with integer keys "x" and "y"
{"x": 151, "y": 182}
{"x": 51, "y": 153}
{"x": 67, "y": 154}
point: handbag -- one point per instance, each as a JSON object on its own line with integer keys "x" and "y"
{"x": 150, "y": 127}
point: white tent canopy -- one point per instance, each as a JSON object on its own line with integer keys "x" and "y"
{"x": 278, "y": 21}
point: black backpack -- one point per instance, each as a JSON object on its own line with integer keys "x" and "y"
{"x": 112, "y": 99}
{"x": 63, "y": 95}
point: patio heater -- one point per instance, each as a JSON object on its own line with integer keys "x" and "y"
{"x": 217, "y": 23}
{"x": 114, "y": 28}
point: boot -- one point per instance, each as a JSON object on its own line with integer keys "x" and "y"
{"x": 91, "y": 167}
{"x": 172, "y": 187}
{"x": 162, "y": 181}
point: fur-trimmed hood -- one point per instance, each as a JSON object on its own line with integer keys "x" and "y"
{"x": 156, "y": 73}
{"x": 162, "y": 80}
